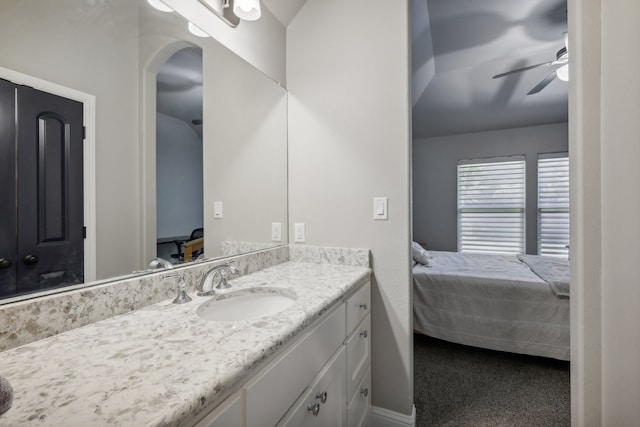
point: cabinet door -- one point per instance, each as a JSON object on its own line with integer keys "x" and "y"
{"x": 228, "y": 414}
{"x": 323, "y": 404}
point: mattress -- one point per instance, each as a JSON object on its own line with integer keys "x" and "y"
{"x": 490, "y": 301}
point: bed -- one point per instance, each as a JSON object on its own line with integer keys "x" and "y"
{"x": 518, "y": 304}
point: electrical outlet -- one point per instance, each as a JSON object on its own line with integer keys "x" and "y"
{"x": 276, "y": 232}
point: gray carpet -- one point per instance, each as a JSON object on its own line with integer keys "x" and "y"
{"x": 456, "y": 385}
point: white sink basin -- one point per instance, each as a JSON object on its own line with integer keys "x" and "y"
{"x": 247, "y": 304}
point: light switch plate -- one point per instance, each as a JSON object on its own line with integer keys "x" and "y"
{"x": 298, "y": 232}
{"x": 217, "y": 209}
{"x": 276, "y": 232}
{"x": 380, "y": 206}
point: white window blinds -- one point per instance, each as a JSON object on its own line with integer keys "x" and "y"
{"x": 491, "y": 205}
{"x": 553, "y": 205}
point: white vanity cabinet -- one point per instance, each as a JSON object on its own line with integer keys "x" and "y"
{"x": 322, "y": 379}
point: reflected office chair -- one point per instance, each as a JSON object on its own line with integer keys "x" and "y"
{"x": 195, "y": 234}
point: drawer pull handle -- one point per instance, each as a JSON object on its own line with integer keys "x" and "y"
{"x": 364, "y": 392}
{"x": 315, "y": 409}
{"x": 364, "y": 333}
{"x": 322, "y": 396}
{"x": 363, "y": 306}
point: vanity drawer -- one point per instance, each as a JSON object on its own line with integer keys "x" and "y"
{"x": 310, "y": 410}
{"x": 358, "y": 409}
{"x": 358, "y": 354}
{"x": 292, "y": 371}
{"x": 358, "y": 306}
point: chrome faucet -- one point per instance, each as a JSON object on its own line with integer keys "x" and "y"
{"x": 208, "y": 280}
{"x": 160, "y": 263}
{"x": 182, "y": 297}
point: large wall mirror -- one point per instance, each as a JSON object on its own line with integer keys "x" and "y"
{"x": 183, "y": 139}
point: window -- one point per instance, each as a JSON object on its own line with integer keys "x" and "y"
{"x": 491, "y": 205}
{"x": 553, "y": 205}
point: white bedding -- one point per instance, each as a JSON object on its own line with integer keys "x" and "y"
{"x": 490, "y": 301}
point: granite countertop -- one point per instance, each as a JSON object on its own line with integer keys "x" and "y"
{"x": 162, "y": 364}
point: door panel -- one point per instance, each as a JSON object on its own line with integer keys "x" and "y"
{"x": 50, "y": 199}
{"x": 7, "y": 189}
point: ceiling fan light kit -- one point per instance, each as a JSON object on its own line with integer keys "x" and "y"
{"x": 562, "y": 73}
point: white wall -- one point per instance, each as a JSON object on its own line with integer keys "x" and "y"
{"x": 435, "y": 163}
{"x": 245, "y": 152}
{"x": 604, "y": 135}
{"x": 179, "y": 177}
{"x": 349, "y": 141}
{"x": 95, "y": 53}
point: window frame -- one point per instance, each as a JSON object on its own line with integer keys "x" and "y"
{"x": 502, "y": 246}
{"x": 558, "y": 252}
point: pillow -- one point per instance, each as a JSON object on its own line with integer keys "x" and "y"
{"x": 419, "y": 254}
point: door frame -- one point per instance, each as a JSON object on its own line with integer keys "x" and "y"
{"x": 89, "y": 157}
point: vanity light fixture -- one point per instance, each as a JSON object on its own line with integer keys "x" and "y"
{"x": 159, "y": 4}
{"x": 229, "y": 11}
{"x": 248, "y": 10}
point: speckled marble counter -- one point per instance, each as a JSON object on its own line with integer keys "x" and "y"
{"x": 162, "y": 364}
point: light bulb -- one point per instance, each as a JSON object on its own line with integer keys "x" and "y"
{"x": 196, "y": 31}
{"x": 158, "y": 4}
{"x": 248, "y": 10}
{"x": 563, "y": 73}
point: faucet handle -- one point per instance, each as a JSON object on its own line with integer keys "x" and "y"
{"x": 182, "y": 297}
{"x": 223, "y": 278}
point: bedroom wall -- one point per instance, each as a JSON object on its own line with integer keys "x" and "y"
{"x": 435, "y": 178}
{"x": 349, "y": 141}
{"x": 179, "y": 176}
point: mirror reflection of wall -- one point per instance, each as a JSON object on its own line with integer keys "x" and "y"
{"x": 107, "y": 50}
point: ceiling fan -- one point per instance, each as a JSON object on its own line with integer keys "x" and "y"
{"x": 562, "y": 72}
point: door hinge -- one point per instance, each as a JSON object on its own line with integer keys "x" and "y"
{"x": 84, "y": 132}
{"x": 84, "y": 232}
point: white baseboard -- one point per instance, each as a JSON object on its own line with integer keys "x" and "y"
{"x": 381, "y": 417}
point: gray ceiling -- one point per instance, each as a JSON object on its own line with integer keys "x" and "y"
{"x": 458, "y": 45}
{"x": 179, "y": 83}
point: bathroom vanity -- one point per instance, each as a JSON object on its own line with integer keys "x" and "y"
{"x": 166, "y": 365}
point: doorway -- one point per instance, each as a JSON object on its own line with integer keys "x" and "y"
{"x": 467, "y": 121}
{"x": 179, "y": 163}
{"x": 42, "y": 232}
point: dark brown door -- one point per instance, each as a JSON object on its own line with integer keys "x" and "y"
{"x": 48, "y": 226}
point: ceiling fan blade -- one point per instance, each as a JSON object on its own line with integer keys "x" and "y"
{"x": 519, "y": 70}
{"x": 543, "y": 83}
